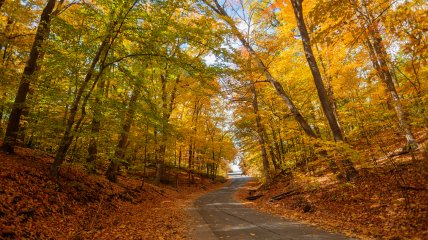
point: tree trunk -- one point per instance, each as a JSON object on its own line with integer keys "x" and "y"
{"x": 277, "y": 148}
{"x": 260, "y": 135}
{"x": 1, "y": 117}
{"x": 179, "y": 157}
{"x": 166, "y": 113}
{"x": 322, "y": 93}
{"x": 190, "y": 156}
{"x": 95, "y": 129}
{"x": 30, "y": 68}
{"x": 119, "y": 154}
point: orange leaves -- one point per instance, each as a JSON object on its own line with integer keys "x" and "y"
{"x": 32, "y": 205}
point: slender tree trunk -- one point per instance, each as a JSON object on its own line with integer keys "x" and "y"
{"x": 212, "y": 164}
{"x": 146, "y": 142}
{"x": 119, "y": 154}
{"x": 260, "y": 135}
{"x": 97, "y": 114}
{"x": 190, "y": 156}
{"x": 93, "y": 146}
{"x": 179, "y": 157}
{"x": 1, "y": 118}
{"x": 281, "y": 143}
{"x": 190, "y": 161}
{"x": 277, "y": 145}
{"x": 166, "y": 114}
{"x": 27, "y": 76}
{"x": 95, "y": 129}
{"x": 322, "y": 93}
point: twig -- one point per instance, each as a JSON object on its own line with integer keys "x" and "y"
{"x": 96, "y": 214}
{"x": 62, "y": 205}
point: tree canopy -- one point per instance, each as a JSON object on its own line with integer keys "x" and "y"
{"x": 120, "y": 86}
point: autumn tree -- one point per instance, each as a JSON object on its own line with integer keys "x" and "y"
{"x": 111, "y": 34}
{"x": 220, "y": 10}
{"x": 43, "y": 30}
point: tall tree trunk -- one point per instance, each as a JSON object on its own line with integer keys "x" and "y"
{"x": 190, "y": 156}
{"x": 119, "y": 154}
{"x": 322, "y": 93}
{"x": 27, "y": 76}
{"x": 260, "y": 135}
{"x": 1, "y": 117}
{"x": 146, "y": 142}
{"x": 95, "y": 129}
{"x": 166, "y": 114}
{"x": 179, "y": 157}
{"x": 277, "y": 85}
{"x": 277, "y": 146}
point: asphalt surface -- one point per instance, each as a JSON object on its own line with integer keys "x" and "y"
{"x": 224, "y": 218}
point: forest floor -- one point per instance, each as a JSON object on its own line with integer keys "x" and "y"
{"x": 33, "y": 205}
{"x": 388, "y": 200}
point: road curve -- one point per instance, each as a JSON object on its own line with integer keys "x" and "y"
{"x": 224, "y": 218}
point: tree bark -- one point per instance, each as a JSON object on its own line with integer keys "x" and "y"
{"x": 119, "y": 154}
{"x": 1, "y": 118}
{"x": 167, "y": 108}
{"x": 260, "y": 135}
{"x": 322, "y": 93}
{"x": 95, "y": 127}
{"x": 27, "y": 76}
{"x": 277, "y": 147}
{"x": 179, "y": 157}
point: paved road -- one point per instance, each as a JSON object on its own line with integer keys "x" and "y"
{"x": 224, "y": 218}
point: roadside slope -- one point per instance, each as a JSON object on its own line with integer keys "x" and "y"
{"x": 81, "y": 206}
{"x": 386, "y": 201}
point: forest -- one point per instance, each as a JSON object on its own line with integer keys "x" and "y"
{"x": 315, "y": 95}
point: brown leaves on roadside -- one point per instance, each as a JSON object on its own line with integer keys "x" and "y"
{"x": 375, "y": 205}
{"x": 81, "y": 206}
